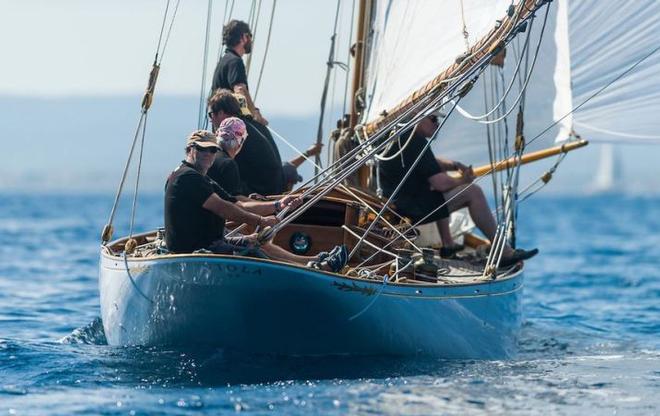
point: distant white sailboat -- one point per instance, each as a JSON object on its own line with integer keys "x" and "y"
{"x": 609, "y": 174}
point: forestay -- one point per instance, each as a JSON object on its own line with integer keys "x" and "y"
{"x": 597, "y": 40}
{"x": 414, "y": 41}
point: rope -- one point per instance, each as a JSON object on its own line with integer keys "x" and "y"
{"x": 508, "y": 89}
{"x": 350, "y": 192}
{"x": 399, "y": 152}
{"x": 370, "y": 304}
{"x": 528, "y": 77}
{"x": 466, "y": 34}
{"x": 545, "y": 179}
{"x": 130, "y": 277}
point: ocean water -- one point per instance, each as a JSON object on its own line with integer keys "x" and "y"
{"x": 590, "y": 343}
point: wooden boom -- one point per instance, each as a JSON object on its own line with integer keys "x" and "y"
{"x": 529, "y": 157}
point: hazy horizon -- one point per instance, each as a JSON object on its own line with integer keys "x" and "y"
{"x": 80, "y": 144}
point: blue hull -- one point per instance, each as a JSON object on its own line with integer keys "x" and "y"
{"x": 260, "y": 306}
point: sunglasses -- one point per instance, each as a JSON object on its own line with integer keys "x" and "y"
{"x": 206, "y": 149}
{"x": 433, "y": 118}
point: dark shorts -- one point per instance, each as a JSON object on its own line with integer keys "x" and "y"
{"x": 420, "y": 205}
{"x": 236, "y": 244}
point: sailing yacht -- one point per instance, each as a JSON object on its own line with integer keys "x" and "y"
{"x": 395, "y": 296}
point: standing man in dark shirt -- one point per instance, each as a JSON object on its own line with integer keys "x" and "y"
{"x": 196, "y": 209}
{"x": 428, "y": 185}
{"x": 230, "y": 72}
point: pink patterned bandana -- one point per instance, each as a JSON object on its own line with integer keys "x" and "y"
{"x": 232, "y": 132}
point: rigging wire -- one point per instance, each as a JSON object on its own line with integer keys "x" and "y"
{"x": 141, "y": 126}
{"x": 255, "y": 12}
{"x": 169, "y": 30}
{"x": 201, "y": 114}
{"x": 528, "y": 77}
{"x": 226, "y": 16}
{"x": 592, "y": 96}
{"x": 477, "y": 180}
{"x": 403, "y": 180}
{"x": 263, "y": 62}
{"x": 324, "y": 94}
{"x": 506, "y": 93}
{"x": 347, "y": 164}
{"x": 344, "y": 188}
{"x": 529, "y": 73}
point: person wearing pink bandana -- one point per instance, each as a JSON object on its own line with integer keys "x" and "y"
{"x": 231, "y": 134}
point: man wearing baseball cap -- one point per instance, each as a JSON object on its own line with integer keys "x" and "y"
{"x": 196, "y": 209}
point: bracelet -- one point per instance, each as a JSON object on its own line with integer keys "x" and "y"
{"x": 278, "y": 206}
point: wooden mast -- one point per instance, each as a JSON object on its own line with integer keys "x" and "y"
{"x": 358, "y": 78}
{"x": 358, "y": 68}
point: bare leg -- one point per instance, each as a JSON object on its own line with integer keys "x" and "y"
{"x": 474, "y": 199}
{"x": 445, "y": 234}
{"x": 278, "y": 253}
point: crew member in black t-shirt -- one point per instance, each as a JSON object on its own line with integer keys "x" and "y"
{"x": 196, "y": 209}
{"x": 428, "y": 186}
{"x": 230, "y": 72}
{"x": 259, "y": 161}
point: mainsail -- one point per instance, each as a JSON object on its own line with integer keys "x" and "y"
{"x": 417, "y": 46}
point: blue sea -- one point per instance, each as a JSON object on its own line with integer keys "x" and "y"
{"x": 590, "y": 342}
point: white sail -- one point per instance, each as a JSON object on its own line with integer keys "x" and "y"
{"x": 596, "y": 41}
{"x": 414, "y": 41}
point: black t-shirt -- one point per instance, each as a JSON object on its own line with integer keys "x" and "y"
{"x": 225, "y": 173}
{"x": 415, "y": 199}
{"x": 189, "y": 226}
{"x": 229, "y": 71}
{"x": 259, "y": 162}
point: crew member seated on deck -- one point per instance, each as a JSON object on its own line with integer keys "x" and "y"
{"x": 429, "y": 186}
{"x": 196, "y": 209}
{"x": 231, "y": 135}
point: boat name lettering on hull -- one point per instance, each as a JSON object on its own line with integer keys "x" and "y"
{"x": 239, "y": 270}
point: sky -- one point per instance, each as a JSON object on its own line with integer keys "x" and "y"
{"x": 105, "y": 48}
{"x": 73, "y": 72}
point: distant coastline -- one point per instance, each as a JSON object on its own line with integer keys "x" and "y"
{"x": 80, "y": 144}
